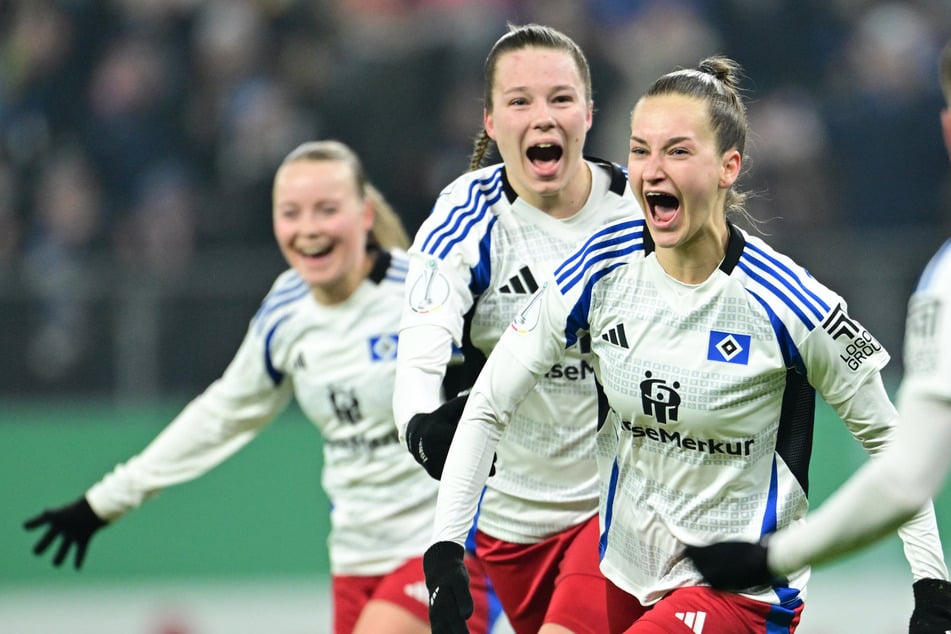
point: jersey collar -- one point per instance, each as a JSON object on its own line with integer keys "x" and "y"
{"x": 734, "y": 247}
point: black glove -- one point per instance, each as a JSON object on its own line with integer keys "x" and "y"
{"x": 733, "y": 565}
{"x": 74, "y": 523}
{"x": 428, "y": 436}
{"x": 450, "y": 601}
{"x": 932, "y": 614}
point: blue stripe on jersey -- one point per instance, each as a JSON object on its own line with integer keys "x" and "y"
{"x": 780, "y": 617}
{"x": 274, "y": 373}
{"x": 792, "y": 274}
{"x": 399, "y": 267}
{"x": 770, "y": 267}
{"x": 772, "y": 498}
{"x": 291, "y": 290}
{"x": 481, "y": 274}
{"x": 787, "y": 346}
{"x": 459, "y": 221}
{"x": 578, "y": 316}
{"x": 609, "y": 511}
{"x": 627, "y": 236}
{"x": 927, "y": 276}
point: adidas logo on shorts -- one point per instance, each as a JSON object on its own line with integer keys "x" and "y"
{"x": 417, "y": 591}
{"x": 693, "y": 620}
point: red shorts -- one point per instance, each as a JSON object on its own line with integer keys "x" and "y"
{"x": 554, "y": 581}
{"x": 702, "y": 610}
{"x": 406, "y": 588}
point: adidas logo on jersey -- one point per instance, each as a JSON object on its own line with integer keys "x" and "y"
{"x": 693, "y": 620}
{"x": 617, "y": 337}
{"x": 523, "y": 283}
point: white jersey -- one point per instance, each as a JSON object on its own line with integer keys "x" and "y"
{"x": 900, "y": 480}
{"x": 483, "y": 245}
{"x": 339, "y": 362}
{"x": 709, "y": 388}
{"x": 927, "y": 353}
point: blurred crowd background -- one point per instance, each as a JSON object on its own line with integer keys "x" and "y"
{"x": 138, "y": 139}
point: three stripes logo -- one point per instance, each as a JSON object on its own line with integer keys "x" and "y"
{"x": 522, "y": 283}
{"x": 617, "y": 337}
{"x": 693, "y": 620}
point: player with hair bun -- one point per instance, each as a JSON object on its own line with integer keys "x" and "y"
{"x": 709, "y": 347}
{"x": 892, "y": 487}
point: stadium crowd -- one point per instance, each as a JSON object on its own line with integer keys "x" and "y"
{"x": 144, "y": 134}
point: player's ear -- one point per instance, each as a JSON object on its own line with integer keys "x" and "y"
{"x": 369, "y": 214}
{"x": 489, "y": 123}
{"x": 730, "y": 168}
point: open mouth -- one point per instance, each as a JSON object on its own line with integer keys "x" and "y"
{"x": 316, "y": 251}
{"x": 663, "y": 207}
{"x": 544, "y": 154}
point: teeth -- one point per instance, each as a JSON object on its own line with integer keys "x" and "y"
{"x": 544, "y": 145}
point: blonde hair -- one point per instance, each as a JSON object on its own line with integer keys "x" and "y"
{"x": 387, "y": 231}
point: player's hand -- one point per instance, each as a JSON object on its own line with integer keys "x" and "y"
{"x": 733, "y": 565}
{"x": 74, "y": 524}
{"x": 450, "y": 600}
{"x": 932, "y": 614}
{"x": 428, "y": 436}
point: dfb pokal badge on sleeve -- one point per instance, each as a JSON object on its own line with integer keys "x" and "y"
{"x": 430, "y": 290}
{"x": 527, "y": 318}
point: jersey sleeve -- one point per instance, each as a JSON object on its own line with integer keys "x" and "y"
{"x": 447, "y": 263}
{"x": 927, "y": 351}
{"x": 886, "y": 492}
{"x": 844, "y": 363}
{"x": 527, "y": 349}
{"x": 212, "y": 427}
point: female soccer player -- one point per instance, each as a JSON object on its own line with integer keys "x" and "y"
{"x": 493, "y": 233}
{"x": 325, "y": 333}
{"x": 891, "y": 488}
{"x": 709, "y": 346}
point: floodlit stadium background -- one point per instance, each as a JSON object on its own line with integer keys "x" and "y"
{"x": 137, "y": 143}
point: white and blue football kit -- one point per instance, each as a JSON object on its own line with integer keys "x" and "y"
{"x": 338, "y": 361}
{"x": 483, "y": 246}
{"x": 708, "y": 402}
{"x": 927, "y": 354}
{"x": 915, "y": 466}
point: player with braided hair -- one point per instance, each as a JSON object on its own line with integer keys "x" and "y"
{"x": 709, "y": 347}
{"x": 491, "y": 237}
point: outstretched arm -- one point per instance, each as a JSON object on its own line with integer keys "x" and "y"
{"x": 502, "y": 385}
{"x": 211, "y": 428}
{"x": 885, "y": 493}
